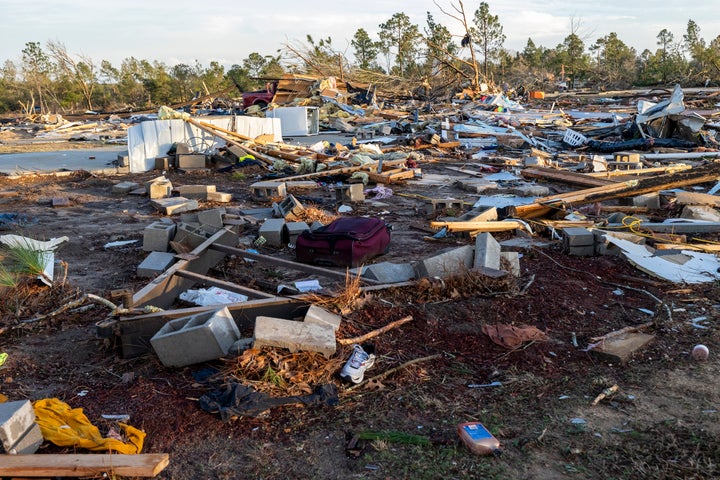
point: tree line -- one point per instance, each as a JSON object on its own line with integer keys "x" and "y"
{"x": 50, "y": 79}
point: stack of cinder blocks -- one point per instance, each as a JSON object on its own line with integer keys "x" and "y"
{"x": 579, "y": 242}
{"x": 19, "y": 433}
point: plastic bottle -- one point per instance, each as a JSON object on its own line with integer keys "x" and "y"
{"x": 478, "y": 439}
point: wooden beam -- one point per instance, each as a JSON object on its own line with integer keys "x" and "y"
{"x": 495, "y": 226}
{"x": 565, "y": 176}
{"x": 703, "y": 174}
{"x": 213, "y": 130}
{"x": 163, "y": 290}
{"x": 83, "y": 465}
{"x": 281, "y": 262}
{"x": 343, "y": 170}
{"x": 232, "y": 287}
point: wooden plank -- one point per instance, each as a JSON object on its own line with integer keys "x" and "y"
{"x": 497, "y": 226}
{"x": 565, "y": 176}
{"x": 163, "y": 290}
{"x": 343, "y": 170}
{"x": 703, "y": 174}
{"x": 83, "y": 465}
{"x": 232, "y": 287}
{"x": 697, "y": 198}
{"x": 281, "y": 262}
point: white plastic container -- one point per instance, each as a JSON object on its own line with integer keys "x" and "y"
{"x": 478, "y": 439}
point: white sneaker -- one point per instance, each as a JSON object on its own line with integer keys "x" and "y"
{"x": 359, "y": 361}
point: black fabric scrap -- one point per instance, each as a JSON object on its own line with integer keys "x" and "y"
{"x": 241, "y": 400}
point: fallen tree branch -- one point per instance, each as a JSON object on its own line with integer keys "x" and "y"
{"x": 76, "y": 303}
{"x": 375, "y": 333}
{"x": 398, "y": 368}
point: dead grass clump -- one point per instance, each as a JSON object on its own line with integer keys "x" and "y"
{"x": 345, "y": 300}
{"x": 280, "y": 373}
{"x": 313, "y": 214}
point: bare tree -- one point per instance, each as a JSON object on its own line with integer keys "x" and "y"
{"x": 80, "y": 71}
{"x": 467, "y": 39}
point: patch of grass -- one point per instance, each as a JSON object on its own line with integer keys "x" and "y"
{"x": 239, "y": 176}
{"x": 394, "y": 437}
{"x": 7, "y": 278}
{"x": 273, "y": 377}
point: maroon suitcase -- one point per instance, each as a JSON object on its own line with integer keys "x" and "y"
{"x": 345, "y": 242}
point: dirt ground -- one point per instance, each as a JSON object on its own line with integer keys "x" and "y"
{"x": 661, "y": 423}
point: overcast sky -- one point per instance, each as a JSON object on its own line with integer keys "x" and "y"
{"x": 181, "y": 31}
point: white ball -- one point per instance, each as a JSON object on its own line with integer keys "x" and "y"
{"x": 700, "y": 352}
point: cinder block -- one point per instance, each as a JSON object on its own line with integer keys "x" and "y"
{"x": 157, "y": 236}
{"x": 160, "y": 189}
{"x": 388, "y": 272}
{"x": 510, "y": 261}
{"x": 604, "y": 247}
{"x": 219, "y": 197}
{"x": 211, "y": 220}
{"x": 163, "y": 163}
{"x": 195, "y": 339}
{"x": 182, "y": 148}
{"x": 477, "y": 185}
{"x": 293, "y": 230}
{"x": 123, "y": 160}
{"x": 626, "y": 157}
{"x": 16, "y": 418}
{"x": 29, "y": 442}
{"x": 577, "y": 237}
{"x": 446, "y": 263}
{"x": 124, "y": 187}
{"x": 295, "y": 336}
{"x": 266, "y": 190}
{"x": 272, "y": 230}
{"x": 189, "y": 235}
{"x": 353, "y": 192}
{"x": 58, "y": 202}
{"x": 190, "y": 161}
{"x": 155, "y": 264}
{"x": 319, "y": 315}
{"x": 171, "y": 206}
{"x": 290, "y": 208}
{"x": 582, "y": 251}
{"x": 530, "y": 190}
{"x": 434, "y": 204}
{"x": 487, "y": 252}
{"x": 199, "y": 192}
{"x": 649, "y": 200}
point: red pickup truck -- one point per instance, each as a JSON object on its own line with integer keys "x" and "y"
{"x": 261, "y": 98}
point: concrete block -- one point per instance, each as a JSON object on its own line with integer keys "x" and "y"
{"x": 190, "y": 161}
{"x": 534, "y": 161}
{"x": 212, "y": 218}
{"x": 487, "y": 251}
{"x": 155, "y": 264}
{"x": 321, "y": 316}
{"x": 577, "y": 237}
{"x": 295, "y": 336}
{"x": 510, "y": 261}
{"x": 530, "y": 190}
{"x": 446, "y": 263}
{"x": 582, "y": 251}
{"x": 388, "y": 272}
{"x": 199, "y": 192}
{"x": 272, "y": 230}
{"x": 160, "y": 189}
{"x": 259, "y": 213}
{"x": 315, "y": 225}
{"x": 28, "y": 443}
{"x": 124, "y": 187}
{"x": 477, "y": 185}
{"x": 171, "y": 206}
{"x": 353, "y": 192}
{"x": 123, "y": 160}
{"x": 190, "y": 218}
{"x": 164, "y": 163}
{"x": 700, "y": 212}
{"x": 157, "y": 236}
{"x": 604, "y": 247}
{"x": 293, "y": 230}
{"x": 219, "y": 197}
{"x": 649, "y": 200}
{"x": 189, "y": 235}
{"x": 16, "y": 418}
{"x": 434, "y": 204}
{"x": 267, "y": 190}
{"x": 182, "y": 148}
{"x": 195, "y": 339}
{"x": 626, "y": 157}
{"x": 300, "y": 185}
{"x": 290, "y": 208}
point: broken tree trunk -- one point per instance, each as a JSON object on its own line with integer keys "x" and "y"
{"x": 703, "y": 174}
{"x": 216, "y": 131}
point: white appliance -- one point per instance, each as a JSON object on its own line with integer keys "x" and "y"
{"x": 297, "y": 121}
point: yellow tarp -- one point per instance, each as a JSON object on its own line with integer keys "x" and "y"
{"x": 69, "y": 427}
